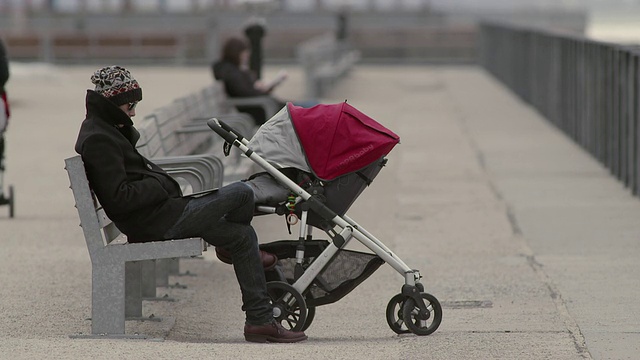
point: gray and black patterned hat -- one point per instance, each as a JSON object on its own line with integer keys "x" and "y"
{"x": 117, "y": 84}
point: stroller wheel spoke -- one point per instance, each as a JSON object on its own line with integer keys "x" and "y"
{"x": 292, "y": 324}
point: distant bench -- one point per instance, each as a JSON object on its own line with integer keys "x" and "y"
{"x": 87, "y": 45}
{"x": 179, "y": 128}
{"x": 117, "y": 266}
{"x": 325, "y": 60}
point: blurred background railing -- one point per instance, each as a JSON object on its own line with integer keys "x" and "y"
{"x": 588, "y": 89}
{"x": 190, "y": 32}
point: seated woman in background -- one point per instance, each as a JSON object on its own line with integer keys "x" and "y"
{"x": 233, "y": 70}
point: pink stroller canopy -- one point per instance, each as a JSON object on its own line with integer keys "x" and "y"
{"x": 329, "y": 140}
{"x": 338, "y": 139}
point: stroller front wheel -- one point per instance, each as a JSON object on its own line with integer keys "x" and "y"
{"x": 422, "y": 323}
{"x": 395, "y": 319}
{"x": 289, "y": 307}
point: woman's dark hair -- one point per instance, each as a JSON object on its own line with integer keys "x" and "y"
{"x": 232, "y": 48}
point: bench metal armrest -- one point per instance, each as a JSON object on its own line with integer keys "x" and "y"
{"x": 267, "y": 103}
{"x": 202, "y": 172}
{"x": 224, "y": 117}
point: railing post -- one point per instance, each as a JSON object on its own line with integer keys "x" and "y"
{"x": 588, "y": 89}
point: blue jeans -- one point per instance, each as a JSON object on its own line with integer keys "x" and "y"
{"x": 223, "y": 218}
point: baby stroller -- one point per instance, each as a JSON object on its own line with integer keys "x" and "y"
{"x": 317, "y": 161}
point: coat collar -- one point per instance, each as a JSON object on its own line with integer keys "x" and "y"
{"x": 102, "y": 108}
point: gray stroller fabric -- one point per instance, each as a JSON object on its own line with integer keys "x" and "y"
{"x": 276, "y": 141}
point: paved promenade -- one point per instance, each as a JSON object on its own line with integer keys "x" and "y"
{"x": 530, "y": 245}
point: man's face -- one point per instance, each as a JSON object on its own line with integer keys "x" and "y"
{"x": 129, "y": 109}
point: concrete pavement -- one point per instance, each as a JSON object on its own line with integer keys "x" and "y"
{"x": 526, "y": 240}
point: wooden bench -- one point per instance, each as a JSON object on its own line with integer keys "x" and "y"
{"x": 325, "y": 61}
{"x": 117, "y": 265}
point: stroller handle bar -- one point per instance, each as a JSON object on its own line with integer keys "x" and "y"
{"x": 225, "y": 131}
{"x": 231, "y": 130}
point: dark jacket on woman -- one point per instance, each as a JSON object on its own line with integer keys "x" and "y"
{"x": 240, "y": 83}
{"x": 237, "y": 82}
{"x": 141, "y": 198}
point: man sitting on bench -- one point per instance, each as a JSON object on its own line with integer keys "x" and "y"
{"x": 146, "y": 204}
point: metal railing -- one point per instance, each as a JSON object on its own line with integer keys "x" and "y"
{"x": 588, "y": 89}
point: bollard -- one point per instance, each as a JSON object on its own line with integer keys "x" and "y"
{"x": 255, "y": 31}
{"x": 342, "y": 25}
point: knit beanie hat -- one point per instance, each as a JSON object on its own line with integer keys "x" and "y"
{"x": 116, "y": 84}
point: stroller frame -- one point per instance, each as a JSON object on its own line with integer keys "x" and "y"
{"x": 412, "y": 310}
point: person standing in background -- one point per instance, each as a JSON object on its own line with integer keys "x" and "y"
{"x": 4, "y": 106}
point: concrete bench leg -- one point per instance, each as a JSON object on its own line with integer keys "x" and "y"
{"x": 111, "y": 300}
{"x": 148, "y": 279}
{"x": 173, "y": 266}
{"x": 164, "y": 268}
{"x": 107, "y": 299}
{"x": 162, "y": 273}
{"x": 149, "y": 290}
{"x": 133, "y": 290}
{"x": 175, "y": 270}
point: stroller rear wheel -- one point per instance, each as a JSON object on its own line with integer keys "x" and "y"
{"x": 422, "y": 323}
{"x": 395, "y": 318}
{"x": 289, "y": 307}
{"x": 277, "y": 275}
{"x": 311, "y": 313}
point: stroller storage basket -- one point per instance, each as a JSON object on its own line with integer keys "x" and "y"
{"x": 346, "y": 270}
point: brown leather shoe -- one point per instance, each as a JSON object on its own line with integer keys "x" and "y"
{"x": 272, "y": 332}
{"x": 269, "y": 260}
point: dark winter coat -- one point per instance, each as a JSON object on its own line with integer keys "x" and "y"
{"x": 240, "y": 83}
{"x": 237, "y": 83}
{"x": 141, "y": 199}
